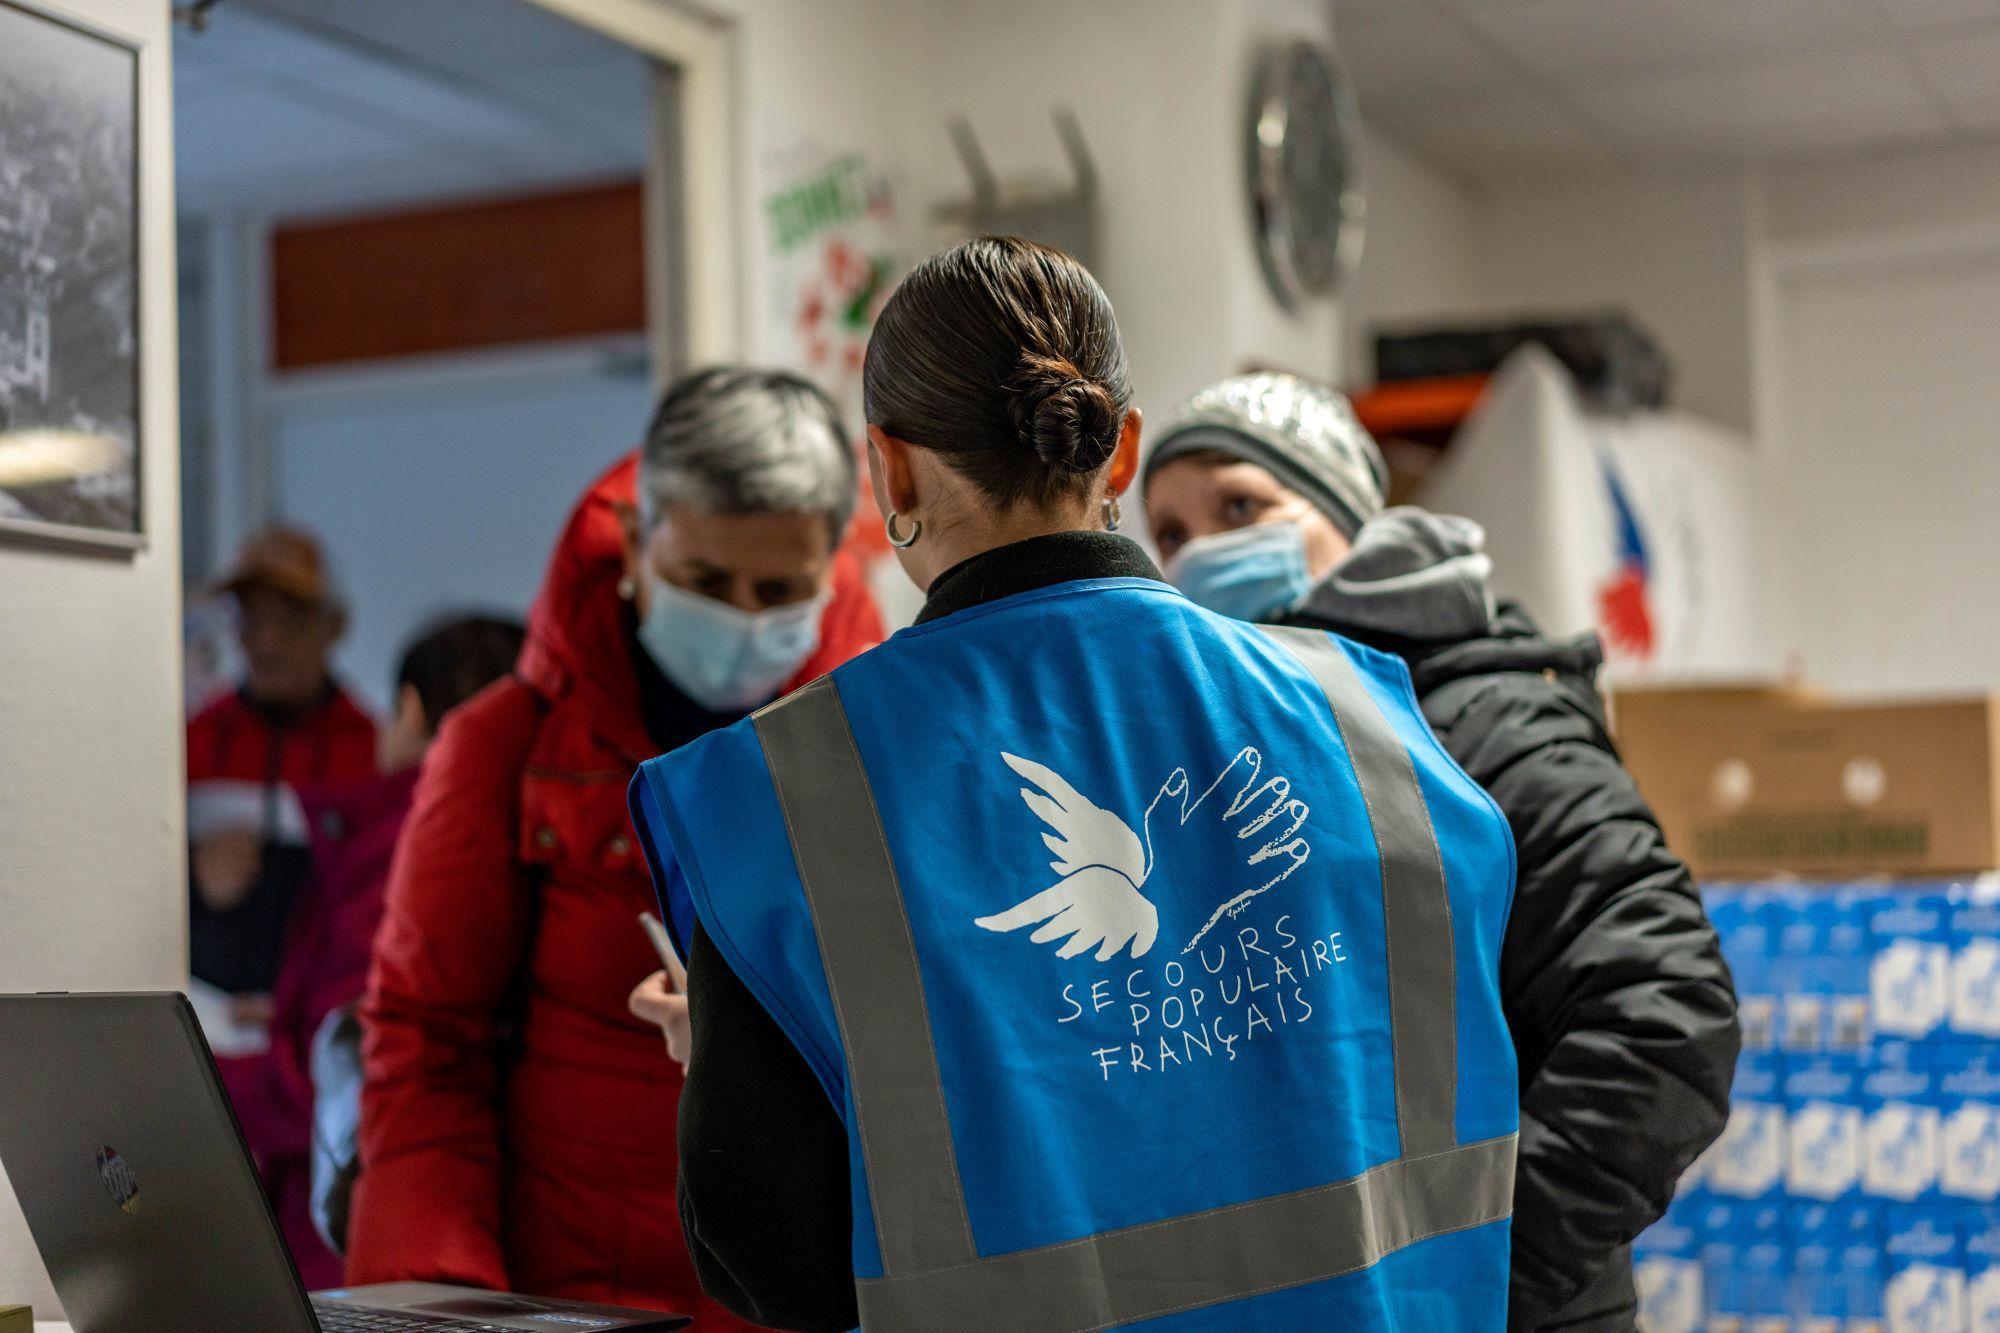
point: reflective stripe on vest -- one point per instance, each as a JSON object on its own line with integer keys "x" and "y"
{"x": 933, "y": 1275}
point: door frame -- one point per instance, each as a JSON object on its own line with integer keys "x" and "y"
{"x": 693, "y": 227}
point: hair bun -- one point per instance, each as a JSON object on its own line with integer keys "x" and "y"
{"x": 1071, "y": 421}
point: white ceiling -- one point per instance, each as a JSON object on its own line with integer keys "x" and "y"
{"x": 308, "y": 107}
{"x": 1493, "y": 89}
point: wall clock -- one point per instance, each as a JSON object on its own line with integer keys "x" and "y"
{"x": 1305, "y": 192}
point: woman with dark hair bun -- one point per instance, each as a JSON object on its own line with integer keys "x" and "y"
{"x": 1002, "y": 360}
{"x": 1079, "y": 958}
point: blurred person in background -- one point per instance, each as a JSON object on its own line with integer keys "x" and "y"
{"x": 351, "y": 830}
{"x": 518, "y": 1120}
{"x": 288, "y": 723}
{"x": 1266, "y": 498}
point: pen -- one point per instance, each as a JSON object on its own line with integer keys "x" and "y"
{"x": 663, "y": 945}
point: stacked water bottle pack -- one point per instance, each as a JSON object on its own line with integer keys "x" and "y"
{"x": 1857, "y": 1185}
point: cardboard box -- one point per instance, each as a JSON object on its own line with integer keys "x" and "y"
{"x": 16, "y": 1319}
{"x": 1756, "y": 780}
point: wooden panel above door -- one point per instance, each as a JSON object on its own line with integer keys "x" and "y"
{"x": 459, "y": 278}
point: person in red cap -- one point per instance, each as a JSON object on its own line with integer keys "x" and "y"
{"x": 288, "y": 723}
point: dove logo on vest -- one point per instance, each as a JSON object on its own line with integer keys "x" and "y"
{"x": 1242, "y": 982}
{"x": 1099, "y": 901}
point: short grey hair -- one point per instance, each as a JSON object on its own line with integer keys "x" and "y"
{"x": 739, "y": 440}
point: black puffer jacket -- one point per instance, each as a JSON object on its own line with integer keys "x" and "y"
{"x": 1622, "y": 1010}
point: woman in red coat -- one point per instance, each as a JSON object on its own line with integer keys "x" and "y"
{"x": 518, "y": 1124}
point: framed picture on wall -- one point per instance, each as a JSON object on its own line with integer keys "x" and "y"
{"x": 70, "y": 455}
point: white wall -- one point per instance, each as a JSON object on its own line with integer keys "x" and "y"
{"x": 91, "y": 888}
{"x": 1420, "y": 254}
{"x": 1674, "y": 251}
{"x": 1884, "y": 193}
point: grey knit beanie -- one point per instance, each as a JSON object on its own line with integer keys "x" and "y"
{"x": 1305, "y": 435}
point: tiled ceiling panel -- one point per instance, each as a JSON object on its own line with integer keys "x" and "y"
{"x": 1495, "y": 88}
{"x": 1505, "y": 135}
{"x": 1562, "y": 40}
{"x": 1414, "y": 55}
{"x": 1851, "y": 98}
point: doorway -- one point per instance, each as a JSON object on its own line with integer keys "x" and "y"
{"x": 443, "y": 406}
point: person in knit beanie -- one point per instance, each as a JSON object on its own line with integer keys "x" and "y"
{"x": 1265, "y": 496}
{"x": 1258, "y": 485}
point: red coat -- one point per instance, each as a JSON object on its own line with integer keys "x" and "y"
{"x": 568, "y": 1190}
{"x": 332, "y": 743}
{"x": 324, "y": 965}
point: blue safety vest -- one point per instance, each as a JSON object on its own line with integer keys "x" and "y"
{"x": 1151, "y": 958}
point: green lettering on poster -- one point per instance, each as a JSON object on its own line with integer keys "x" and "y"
{"x": 830, "y": 197}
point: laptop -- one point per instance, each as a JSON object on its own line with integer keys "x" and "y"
{"x": 142, "y": 1198}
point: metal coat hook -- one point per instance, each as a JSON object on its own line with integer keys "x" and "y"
{"x": 1065, "y": 218}
{"x": 1070, "y": 130}
{"x": 985, "y": 185}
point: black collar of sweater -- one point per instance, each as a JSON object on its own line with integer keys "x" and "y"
{"x": 1038, "y": 562}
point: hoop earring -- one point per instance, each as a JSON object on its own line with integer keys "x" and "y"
{"x": 898, "y": 541}
{"x": 1111, "y": 513}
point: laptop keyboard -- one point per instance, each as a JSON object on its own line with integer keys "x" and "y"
{"x": 337, "y": 1318}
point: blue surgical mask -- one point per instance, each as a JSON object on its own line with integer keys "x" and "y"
{"x": 724, "y": 658}
{"x": 1250, "y": 573}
